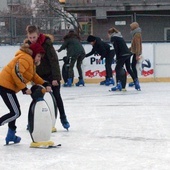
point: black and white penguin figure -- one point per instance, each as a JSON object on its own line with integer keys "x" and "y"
{"x": 51, "y": 102}
{"x": 39, "y": 119}
{"x": 65, "y": 68}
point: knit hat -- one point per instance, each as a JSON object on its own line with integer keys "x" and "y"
{"x": 91, "y": 38}
{"x": 36, "y": 49}
{"x": 134, "y": 25}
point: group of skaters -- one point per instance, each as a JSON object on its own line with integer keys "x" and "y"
{"x": 126, "y": 58}
{"x": 37, "y": 61}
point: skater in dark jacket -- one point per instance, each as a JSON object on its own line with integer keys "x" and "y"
{"x": 76, "y": 52}
{"x": 103, "y": 49}
{"x": 49, "y": 68}
{"x": 14, "y": 78}
{"x": 123, "y": 55}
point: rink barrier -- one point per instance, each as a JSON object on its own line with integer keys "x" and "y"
{"x": 94, "y": 69}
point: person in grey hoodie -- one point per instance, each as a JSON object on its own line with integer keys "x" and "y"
{"x": 123, "y": 55}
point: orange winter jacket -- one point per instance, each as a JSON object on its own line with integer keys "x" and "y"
{"x": 19, "y": 71}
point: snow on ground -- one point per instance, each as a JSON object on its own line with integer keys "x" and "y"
{"x": 109, "y": 130}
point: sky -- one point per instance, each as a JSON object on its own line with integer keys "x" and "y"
{"x": 109, "y": 130}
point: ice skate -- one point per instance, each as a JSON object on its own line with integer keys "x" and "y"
{"x": 137, "y": 86}
{"x": 69, "y": 83}
{"x": 103, "y": 82}
{"x": 131, "y": 84}
{"x": 11, "y": 137}
{"x": 109, "y": 81}
{"x": 80, "y": 82}
{"x": 118, "y": 87}
{"x": 65, "y": 123}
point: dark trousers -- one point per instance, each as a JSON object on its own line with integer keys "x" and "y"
{"x": 129, "y": 69}
{"x": 59, "y": 101}
{"x": 10, "y": 99}
{"x": 79, "y": 58}
{"x": 133, "y": 64}
{"x": 108, "y": 64}
{"x": 120, "y": 72}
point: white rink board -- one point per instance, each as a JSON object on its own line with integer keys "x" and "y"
{"x": 157, "y": 53}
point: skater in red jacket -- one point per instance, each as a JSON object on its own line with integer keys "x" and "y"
{"x": 49, "y": 68}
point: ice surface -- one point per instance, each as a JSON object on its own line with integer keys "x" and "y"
{"x": 109, "y": 131}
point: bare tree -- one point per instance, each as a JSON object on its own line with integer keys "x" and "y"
{"x": 70, "y": 18}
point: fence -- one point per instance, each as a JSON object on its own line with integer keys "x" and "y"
{"x": 12, "y": 29}
{"x": 155, "y": 27}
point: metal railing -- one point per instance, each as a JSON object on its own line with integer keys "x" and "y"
{"x": 155, "y": 28}
{"x": 12, "y": 29}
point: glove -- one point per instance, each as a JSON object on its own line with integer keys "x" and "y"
{"x": 24, "y": 90}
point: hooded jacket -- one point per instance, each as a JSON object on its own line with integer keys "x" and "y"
{"x": 49, "y": 68}
{"x": 119, "y": 44}
{"x": 73, "y": 45}
{"x": 19, "y": 71}
{"x": 101, "y": 48}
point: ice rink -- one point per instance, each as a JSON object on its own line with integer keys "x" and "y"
{"x": 109, "y": 131}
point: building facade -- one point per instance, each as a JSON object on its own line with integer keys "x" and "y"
{"x": 153, "y": 17}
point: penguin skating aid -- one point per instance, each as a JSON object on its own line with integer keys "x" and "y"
{"x": 39, "y": 120}
{"x": 51, "y": 102}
